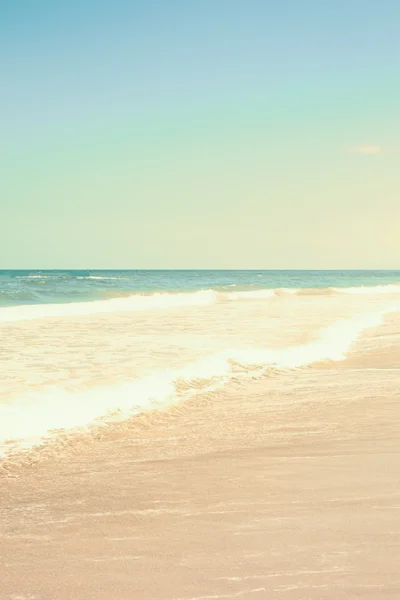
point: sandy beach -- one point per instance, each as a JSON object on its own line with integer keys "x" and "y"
{"x": 286, "y": 487}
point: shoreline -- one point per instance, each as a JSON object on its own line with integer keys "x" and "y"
{"x": 286, "y": 487}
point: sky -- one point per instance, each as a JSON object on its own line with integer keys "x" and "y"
{"x": 200, "y": 134}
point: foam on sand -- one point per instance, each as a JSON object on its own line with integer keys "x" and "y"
{"x": 24, "y": 421}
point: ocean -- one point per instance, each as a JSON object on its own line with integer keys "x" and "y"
{"x": 59, "y": 287}
{"x": 170, "y": 418}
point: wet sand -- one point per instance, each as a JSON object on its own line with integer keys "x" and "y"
{"x": 284, "y": 487}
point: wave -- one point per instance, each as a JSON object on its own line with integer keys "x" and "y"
{"x": 390, "y": 288}
{"x": 332, "y": 344}
{"x": 134, "y": 302}
{"x": 165, "y": 300}
{"x": 251, "y": 295}
{"x": 34, "y": 277}
{"x": 265, "y": 293}
{"x": 131, "y": 303}
{"x": 26, "y": 421}
{"x": 102, "y": 277}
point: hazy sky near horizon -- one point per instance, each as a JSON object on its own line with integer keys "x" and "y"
{"x": 200, "y": 134}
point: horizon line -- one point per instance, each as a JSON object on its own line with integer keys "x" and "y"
{"x": 198, "y": 269}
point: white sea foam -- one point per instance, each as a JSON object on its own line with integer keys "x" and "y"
{"x": 101, "y": 277}
{"x": 390, "y": 288}
{"x": 33, "y": 276}
{"x": 26, "y": 420}
{"x": 333, "y": 344}
{"x": 251, "y": 295}
{"x": 131, "y": 303}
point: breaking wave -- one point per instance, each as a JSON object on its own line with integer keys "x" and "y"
{"x": 130, "y": 303}
{"x": 26, "y": 420}
{"x": 167, "y": 300}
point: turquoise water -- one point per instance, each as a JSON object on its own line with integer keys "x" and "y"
{"x": 46, "y": 287}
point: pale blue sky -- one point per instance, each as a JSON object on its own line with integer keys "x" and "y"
{"x": 188, "y": 134}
